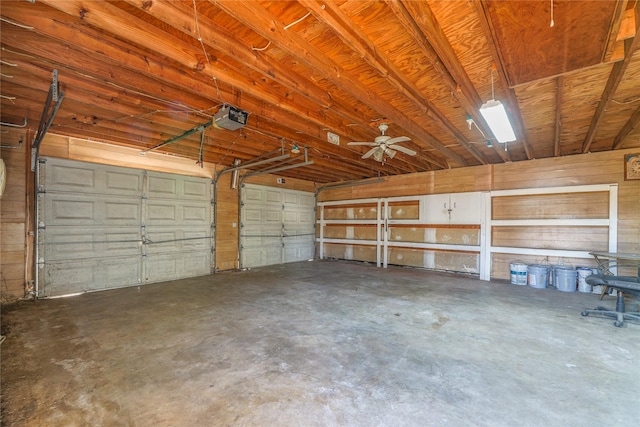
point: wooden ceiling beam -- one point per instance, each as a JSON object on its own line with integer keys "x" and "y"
{"x": 101, "y": 16}
{"x": 628, "y": 127}
{"x": 94, "y": 68}
{"x": 513, "y": 110}
{"x": 180, "y": 17}
{"x": 104, "y": 16}
{"x": 177, "y": 15}
{"x": 615, "y": 77}
{"x": 260, "y": 20}
{"x": 616, "y": 22}
{"x": 420, "y": 22}
{"x": 558, "y": 116}
{"x": 331, "y": 15}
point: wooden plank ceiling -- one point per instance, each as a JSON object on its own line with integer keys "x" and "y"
{"x": 137, "y": 73}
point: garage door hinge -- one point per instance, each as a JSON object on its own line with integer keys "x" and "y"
{"x": 41, "y": 226}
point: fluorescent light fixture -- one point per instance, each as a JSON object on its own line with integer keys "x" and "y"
{"x": 494, "y": 113}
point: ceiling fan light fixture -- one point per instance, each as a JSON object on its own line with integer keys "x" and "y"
{"x": 295, "y": 149}
{"x": 378, "y": 155}
{"x": 496, "y": 117}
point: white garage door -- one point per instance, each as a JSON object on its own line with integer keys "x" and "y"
{"x": 277, "y": 226}
{"x": 102, "y": 227}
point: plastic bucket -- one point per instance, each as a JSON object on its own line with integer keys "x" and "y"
{"x": 552, "y": 272}
{"x": 583, "y": 273}
{"x": 538, "y": 276}
{"x": 565, "y": 279}
{"x": 518, "y": 273}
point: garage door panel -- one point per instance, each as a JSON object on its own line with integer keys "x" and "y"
{"x": 76, "y": 209}
{"x": 163, "y": 267}
{"x": 277, "y": 225}
{"x": 169, "y": 186}
{"x": 168, "y": 213}
{"x": 273, "y": 196}
{"x": 63, "y": 278}
{"x": 163, "y": 240}
{"x": 252, "y": 194}
{"x": 93, "y": 220}
{"x": 71, "y": 243}
{"x": 77, "y": 177}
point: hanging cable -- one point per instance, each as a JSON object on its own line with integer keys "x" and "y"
{"x": 9, "y": 21}
{"x": 200, "y": 160}
{"x": 206, "y": 55}
{"x": 260, "y": 49}
{"x": 286, "y": 27}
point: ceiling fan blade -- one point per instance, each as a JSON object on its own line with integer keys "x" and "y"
{"x": 397, "y": 139}
{"x": 371, "y": 144}
{"x": 370, "y": 153}
{"x": 405, "y": 150}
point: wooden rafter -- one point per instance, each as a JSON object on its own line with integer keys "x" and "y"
{"x": 512, "y": 100}
{"x": 558, "y": 116}
{"x": 628, "y": 127}
{"x": 615, "y": 77}
{"x": 259, "y": 19}
{"x": 419, "y": 21}
{"x": 332, "y": 16}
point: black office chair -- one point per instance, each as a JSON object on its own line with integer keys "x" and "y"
{"x": 622, "y": 284}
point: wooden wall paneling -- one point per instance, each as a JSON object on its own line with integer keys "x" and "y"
{"x": 629, "y": 236}
{"x": 458, "y": 236}
{"x": 557, "y": 238}
{"x": 227, "y": 225}
{"x": 332, "y": 194}
{"x": 13, "y": 215}
{"x": 462, "y": 262}
{"x": 98, "y": 152}
{"x": 404, "y": 210}
{"x": 363, "y": 253}
{"x": 335, "y": 232}
{"x": 335, "y": 251}
{"x": 477, "y": 178}
{"x": 569, "y": 205}
{"x": 290, "y": 183}
{"x": 592, "y": 168}
{"x": 364, "y": 232}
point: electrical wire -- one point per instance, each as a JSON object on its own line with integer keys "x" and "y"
{"x": 286, "y": 27}
{"x": 206, "y": 55}
{"x": 260, "y": 49}
{"x": 9, "y": 21}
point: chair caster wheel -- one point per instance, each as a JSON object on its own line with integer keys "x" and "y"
{"x": 585, "y": 313}
{"x": 618, "y": 324}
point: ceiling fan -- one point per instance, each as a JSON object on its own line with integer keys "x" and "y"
{"x": 381, "y": 145}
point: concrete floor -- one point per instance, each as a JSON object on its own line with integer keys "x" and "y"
{"x": 319, "y": 344}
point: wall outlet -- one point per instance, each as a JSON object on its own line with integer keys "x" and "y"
{"x": 281, "y": 180}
